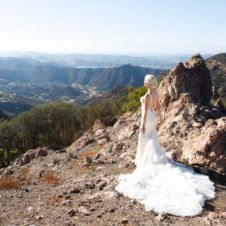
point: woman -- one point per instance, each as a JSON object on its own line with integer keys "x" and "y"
{"x": 159, "y": 182}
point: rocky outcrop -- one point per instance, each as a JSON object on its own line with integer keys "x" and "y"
{"x": 191, "y": 78}
{"x": 193, "y": 130}
{"x": 206, "y": 146}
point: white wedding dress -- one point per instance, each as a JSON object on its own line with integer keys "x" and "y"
{"x": 159, "y": 182}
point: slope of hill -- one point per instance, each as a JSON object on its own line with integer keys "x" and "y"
{"x": 45, "y": 82}
{"x": 75, "y": 185}
{"x": 217, "y": 67}
{"x": 15, "y": 69}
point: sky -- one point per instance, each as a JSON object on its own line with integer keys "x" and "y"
{"x": 132, "y": 27}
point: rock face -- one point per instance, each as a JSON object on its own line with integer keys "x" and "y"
{"x": 217, "y": 66}
{"x": 192, "y": 78}
{"x": 193, "y": 130}
{"x": 206, "y": 146}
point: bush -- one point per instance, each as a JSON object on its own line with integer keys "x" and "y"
{"x": 58, "y": 124}
{"x": 133, "y": 102}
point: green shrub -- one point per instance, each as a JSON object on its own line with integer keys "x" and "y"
{"x": 133, "y": 102}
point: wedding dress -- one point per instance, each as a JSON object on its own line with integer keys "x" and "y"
{"x": 160, "y": 183}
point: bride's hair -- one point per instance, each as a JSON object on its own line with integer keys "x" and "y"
{"x": 150, "y": 79}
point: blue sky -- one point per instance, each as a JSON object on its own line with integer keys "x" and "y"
{"x": 132, "y": 27}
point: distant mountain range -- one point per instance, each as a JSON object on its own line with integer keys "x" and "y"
{"x": 28, "y": 80}
{"x": 37, "y": 82}
{"x": 35, "y": 72}
{"x": 101, "y": 60}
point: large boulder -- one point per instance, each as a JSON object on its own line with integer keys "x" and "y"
{"x": 191, "y": 77}
{"x": 206, "y": 146}
{"x": 193, "y": 130}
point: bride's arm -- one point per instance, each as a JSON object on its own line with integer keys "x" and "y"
{"x": 158, "y": 108}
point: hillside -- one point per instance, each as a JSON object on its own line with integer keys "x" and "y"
{"x": 217, "y": 67}
{"x": 75, "y": 185}
{"x": 25, "y": 78}
{"x": 15, "y": 69}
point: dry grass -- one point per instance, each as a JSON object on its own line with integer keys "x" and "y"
{"x": 20, "y": 213}
{"x": 8, "y": 182}
{"x": 24, "y": 174}
{"x": 50, "y": 177}
{"x": 88, "y": 153}
{"x": 54, "y": 200}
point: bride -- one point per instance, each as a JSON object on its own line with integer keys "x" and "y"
{"x": 160, "y": 183}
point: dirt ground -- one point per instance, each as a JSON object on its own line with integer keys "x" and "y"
{"x": 59, "y": 189}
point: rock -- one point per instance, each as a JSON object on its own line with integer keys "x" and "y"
{"x": 97, "y": 156}
{"x": 8, "y": 170}
{"x": 106, "y": 149}
{"x": 99, "y": 161}
{"x": 223, "y": 214}
{"x": 30, "y": 209}
{"x": 62, "y": 150}
{"x": 75, "y": 190}
{"x": 99, "y": 132}
{"x": 27, "y": 158}
{"x": 99, "y": 215}
{"x": 197, "y": 124}
{"x": 67, "y": 196}
{"x": 161, "y": 217}
{"x": 117, "y": 146}
{"x": 87, "y": 160}
{"x": 72, "y": 212}
{"x": 207, "y": 146}
{"x": 31, "y": 154}
{"x": 39, "y": 217}
{"x": 212, "y": 215}
{"x": 124, "y": 221}
{"x": 42, "y": 152}
{"x": 109, "y": 195}
{"x": 92, "y": 208}
{"x": 89, "y": 185}
{"x": 98, "y": 125}
{"x": 55, "y": 161}
{"x": 69, "y": 223}
{"x": 112, "y": 209}
{"x": 102, "y": 141}
{"x": 83, "y": 210}
{"x": 72, "y": 155}
{"x": 67, "y": 203}
{"x": 102, "y": 185}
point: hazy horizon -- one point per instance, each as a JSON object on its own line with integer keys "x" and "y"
{"x": 128, "y": 27}
{"x": 20, "y": 53}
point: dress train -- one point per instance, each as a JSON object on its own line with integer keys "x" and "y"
{"x": 159, "y": 182}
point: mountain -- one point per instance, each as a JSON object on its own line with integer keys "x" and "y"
{"x": 217, "y": 67}
{"x": 75, "y": 185}
{"x": 17, "y": 64}
{"x": 41, "y": 82}
{"x": 101, "y": 60}
{"x": 13, "y": 69}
